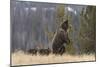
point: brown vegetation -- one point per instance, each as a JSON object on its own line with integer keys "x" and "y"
{"x": 20, "y": 58}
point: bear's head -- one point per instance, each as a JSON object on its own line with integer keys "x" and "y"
{"x": 64, "y": 25}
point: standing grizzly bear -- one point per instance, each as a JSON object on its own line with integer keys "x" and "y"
{"x": 60, "y": 37}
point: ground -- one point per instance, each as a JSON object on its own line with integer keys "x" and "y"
{"x": 20, "y": 58}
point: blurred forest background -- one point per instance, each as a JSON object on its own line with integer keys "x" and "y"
{"x": 33, "y": 25}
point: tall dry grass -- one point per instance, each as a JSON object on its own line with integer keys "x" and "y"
{"x": 20, "y": 58}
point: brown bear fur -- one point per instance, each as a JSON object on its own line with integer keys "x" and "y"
{"x": 60, "y": 37}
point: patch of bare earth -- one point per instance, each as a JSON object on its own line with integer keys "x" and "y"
{"x": 20, "y": 58}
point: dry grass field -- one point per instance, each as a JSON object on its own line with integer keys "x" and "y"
{"x": 20, "y": 58}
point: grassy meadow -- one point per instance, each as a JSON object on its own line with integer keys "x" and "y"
{"x": 21, "y": 58}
